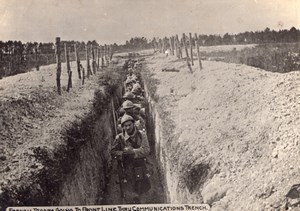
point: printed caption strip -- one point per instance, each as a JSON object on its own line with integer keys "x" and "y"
{"x": 133, "y": 207}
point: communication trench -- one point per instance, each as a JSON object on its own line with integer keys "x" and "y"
{"x": 79, "y": 172}
{"x": 94, "y": 180}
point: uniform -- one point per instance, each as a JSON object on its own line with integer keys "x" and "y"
{"x": 134, "y": 164}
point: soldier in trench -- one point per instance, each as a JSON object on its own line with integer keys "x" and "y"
{"x": 130, "y": 148}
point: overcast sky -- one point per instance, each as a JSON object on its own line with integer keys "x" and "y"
{"x": 109, "y": 21}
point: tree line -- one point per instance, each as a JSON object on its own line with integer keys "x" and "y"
{"x": 257, "y": 37}
{"x": 17, "y": 57}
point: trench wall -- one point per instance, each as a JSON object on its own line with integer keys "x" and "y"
{"x": 180, "y": 175}
{"x": 169, "y": 180}
{"x": 87, "y": 181}
{"x": 74, "y": 171}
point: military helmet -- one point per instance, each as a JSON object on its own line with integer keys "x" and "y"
{"x": 136, "y": 89}
{"x": 127, "y": 104}
{"x": 128, "y": 95}
{"x": 126, "y": 118}
{"x": 128, "y": 81}
{"x": 137, "y": 86}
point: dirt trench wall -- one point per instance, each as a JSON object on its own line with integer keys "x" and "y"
{"x": 88, "y": 180}
{"x": 170, "y": 179}
{"x": 69, "y": 165}
{"x": 86, "y": 183}
{"x": 181, "y": 174}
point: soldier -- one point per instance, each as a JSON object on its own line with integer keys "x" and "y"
{"x": 130, "y": 148}
{"x": 129, "y": 108}
{"x": 133, "y": 98}
{"x": 137, "y": 91}
{"x": 129, "y": 84}
{"x": 128, "y": 96}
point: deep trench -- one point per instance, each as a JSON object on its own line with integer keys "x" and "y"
{"x": 94, "y": 179}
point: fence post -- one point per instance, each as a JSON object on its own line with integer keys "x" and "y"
{"x": 175, "y": 46}
{"x": 179, "y": 47}
{"x": 185, "y": 46}
{"x": 191, "y": 46}
{"x": 88, "y": 67}
{"x": 93, "y": 59}
{"x": 198, "y": 51}
{"x": 77, "y": 60}
{"x": 36, "y": 58}
{"x": 160, "y": 46}
{"x": 171, "y": 49}
{"x": 164, "y": 46}
{"x": 68, "y": 68}
{"x": 172, "y": 45}
{"x": 186, "y": 52}
{"x": 111, "y": 52}
{"x": 58, "y": 61}
{"x": 98, "y": 58}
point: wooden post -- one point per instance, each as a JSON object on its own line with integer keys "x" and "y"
{"x": 179, "y": 47}
{"x": 98, "y": 59}
{"x": 198, "y": 51}
{"x": 175, "y": 46}
{"x": 102, "y": 57}
{"x": 104, "y": 54}
{"x": 93, "y": 59}
{"x": 77, "y": 60}
{"x": 111, "y": 52}
{"x": 170, "y": 43}
{"x": 191, "y": 46}
{"x": 58, "y": 61}
{"x": 185, "y": 46}
{"x": 88, "y": 67}
{"x": 161, "y": 46}
{"x": 187, "y": 53}
{"x": 68, "y": 68}
{"x": 36, "y": 58}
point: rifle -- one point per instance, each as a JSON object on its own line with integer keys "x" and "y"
{"x": 121, "y": 179}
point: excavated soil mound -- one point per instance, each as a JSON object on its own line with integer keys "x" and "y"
{"x": 231, "y": 133}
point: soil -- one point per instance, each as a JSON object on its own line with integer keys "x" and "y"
{"x": 233, "y": 129}
{"x": 235, "y": 132}
{"x": 32, "y": 119}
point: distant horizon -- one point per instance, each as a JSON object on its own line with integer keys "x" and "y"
{"x": 116, "y": 21}
{"x": 148, "y": 38}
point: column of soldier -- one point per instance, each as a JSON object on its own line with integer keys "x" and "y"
{"x": 131, "y": 147}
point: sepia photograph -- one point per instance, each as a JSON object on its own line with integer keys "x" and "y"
{"x": 149, "y": 105}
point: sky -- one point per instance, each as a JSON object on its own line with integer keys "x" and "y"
{"x": 115, "y": 21}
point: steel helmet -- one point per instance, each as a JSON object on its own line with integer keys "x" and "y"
{"x": 128, "y": 81}
{"x": 127, "y": 104}
{"x": 128, "y": 95}
{"x": 136, "y": 89}
{"x": 137, "y": 86}
{"x": 126, "y": 118}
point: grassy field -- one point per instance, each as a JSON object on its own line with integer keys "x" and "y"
{"x": 279, "y": 57}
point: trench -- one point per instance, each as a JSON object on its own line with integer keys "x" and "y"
{"x": 93, "y": 179}
{"x": 82, "y": 173}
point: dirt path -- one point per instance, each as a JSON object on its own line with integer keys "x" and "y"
{"x": 241, "y": 122}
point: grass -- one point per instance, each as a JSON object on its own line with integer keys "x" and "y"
{"x": 279, "y": 57}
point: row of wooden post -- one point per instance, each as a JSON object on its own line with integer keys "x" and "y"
{"x": 103, "y": 53}
{"x": 176, "y": 47}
